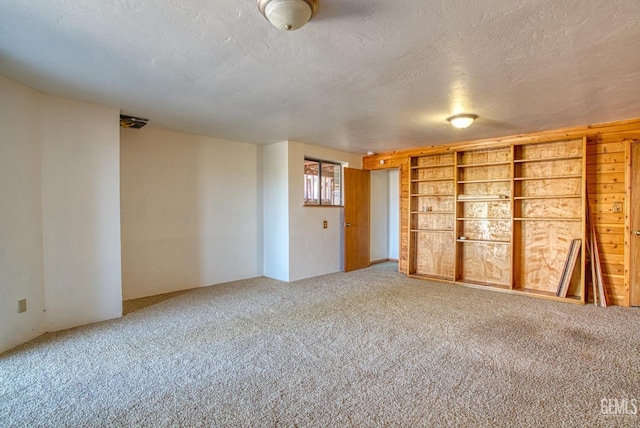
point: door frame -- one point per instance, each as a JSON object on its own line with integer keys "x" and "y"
{"x": 633, "y": 224}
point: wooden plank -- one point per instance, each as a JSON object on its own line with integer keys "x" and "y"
{"x": 617, "y": 177}
{"x": 606, "y": 168}
{"x": 605, "y": 158}
{"x": 569, "y": 267}
{"x": 598, "y": 188}
{"x": 486, "y": 263}
{"x": 615, "y": 146}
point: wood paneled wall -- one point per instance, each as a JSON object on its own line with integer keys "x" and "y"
{"x": 607, "y": 184}
{"x": 608, "y": 178}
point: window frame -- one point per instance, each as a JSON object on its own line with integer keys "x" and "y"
{"x": 319, "y": 188}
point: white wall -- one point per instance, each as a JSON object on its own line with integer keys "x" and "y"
{"x": 394, "y": 214}
{"x": 80, "y": 212}
{"x": 313, "y": 250}
{"x": 59, "y": 213}
{"x": 385, "y": 214}
{"x": 276, "y": 210}
{"x": 191, "y": 211}
{"x": 21, "y": 269}
{"x": 379, "y": 220}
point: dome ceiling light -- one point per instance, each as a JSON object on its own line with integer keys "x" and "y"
{"x": 288, "y": 14}
{"x": 461, "y": 121}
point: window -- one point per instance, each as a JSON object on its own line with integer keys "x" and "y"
{"x": 322, "y": 183}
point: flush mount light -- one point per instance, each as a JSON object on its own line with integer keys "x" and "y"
{"x": 462, "y": 120}
{"x": 288, "y": 14}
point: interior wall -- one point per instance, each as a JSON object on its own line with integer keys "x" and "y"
{"x": 276, "y": 210}
{"x": 21, "y": 267}
{"x": 379, "y": 219}
{"x": 314, "y": 250}
{"x": 80, "y": 212}
{"x": 59, "y": 213}
{"x": 607, "y": 165}
{"x": 191, "y": 211}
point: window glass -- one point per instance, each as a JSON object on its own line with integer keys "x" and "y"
{"x": 322, "y": 183}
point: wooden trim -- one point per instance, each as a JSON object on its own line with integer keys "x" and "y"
{"x": 627, "y": 219}
{"x": 394, "y": 157}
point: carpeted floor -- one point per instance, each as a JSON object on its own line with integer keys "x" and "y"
{"x": 366, "y": 348}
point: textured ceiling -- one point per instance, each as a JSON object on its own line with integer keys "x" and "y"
{"x": 361, "y": 75}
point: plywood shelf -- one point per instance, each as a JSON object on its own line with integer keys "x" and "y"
{"x": 432, "y": 195}
{"x": 482, "y": 219}
{"x": 484, "y": 241}
{"x": 488, "y": 199}
{"x": 561, "y": 158}
{"x": 433, "y": 230}
{"x": 496, "y": 180}
{"x": 573, "y": 219}
{"x": 550, "y": 177}
{"x": 521, "y": 198}
{"x": 432, "y": 212}
{"x": 476, "y": 165}
{"x": 432, "y": 166}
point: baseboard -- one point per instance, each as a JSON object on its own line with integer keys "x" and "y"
{"x": 375, "y": 262}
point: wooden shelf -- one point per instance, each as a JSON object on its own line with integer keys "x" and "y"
{"x": 548, "y": 219}
{"x": 432, "y": 212}
{"x": 548, "y": 294}
{"x": 548, "y": 197}
{"x": 548, "y": 159}
{"x": 432, "y": 166}
{"x": 483, "y": 283}
{"x": 551, "y": 177}
{"x": 475, "y": 165}
{"x": 432, "y": 195}
{"x": 431, "y": 180}
{"x": 483, "y": 219}
{"x": 497, "y": 180}
{"x": 433, "y": 230}
{"x": 484, "y": 241}
{"x": 494, "y": 199}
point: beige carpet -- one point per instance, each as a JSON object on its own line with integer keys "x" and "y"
{"x": 368, "y": 348}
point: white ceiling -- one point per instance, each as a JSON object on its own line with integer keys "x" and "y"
{"x": 361, "y": 75}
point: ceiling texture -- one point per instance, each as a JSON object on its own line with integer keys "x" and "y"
{"x": 362, "y": 75}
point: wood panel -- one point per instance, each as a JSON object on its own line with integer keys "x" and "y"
{"x": 488, "y": 230}
{"x": 357, "y": 195}
{"x": 607, "y": 189}
{"x": 634, "y": 222}
{"x": 486, "y": 263}
{"x": 543, "y": 251}
{"x": 436, "y": 257}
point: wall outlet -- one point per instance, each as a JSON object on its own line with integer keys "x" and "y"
{"x": 325, "y": 224}
{"x": 22, "y": 306}
{"x": 617, "y": 207}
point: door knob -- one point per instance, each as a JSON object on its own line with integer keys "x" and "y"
{"x": 349, "y": 224}
{"x": 638, "y": 232}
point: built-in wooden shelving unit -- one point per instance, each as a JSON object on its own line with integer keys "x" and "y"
{"x": 501, "y": 217}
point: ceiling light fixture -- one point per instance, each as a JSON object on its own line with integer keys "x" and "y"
{"x": 462, "y": 120}
{"x": 288, "y": 14}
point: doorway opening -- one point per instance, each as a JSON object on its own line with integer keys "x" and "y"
{"x": 385, "y": 218}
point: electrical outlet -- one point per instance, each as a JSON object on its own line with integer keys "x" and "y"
{"x": 617, "y": 207}
{"x": 22, "y": 306}
{"x": 325, "y": 224}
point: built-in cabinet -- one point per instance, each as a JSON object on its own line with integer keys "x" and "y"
{"x": 502, "y": 217}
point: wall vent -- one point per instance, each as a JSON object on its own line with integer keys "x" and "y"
{"x": 132, "y": 122}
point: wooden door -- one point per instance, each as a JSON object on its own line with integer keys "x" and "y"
{"x": 634, "y": 256}
{"x": 356, "y": 219}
